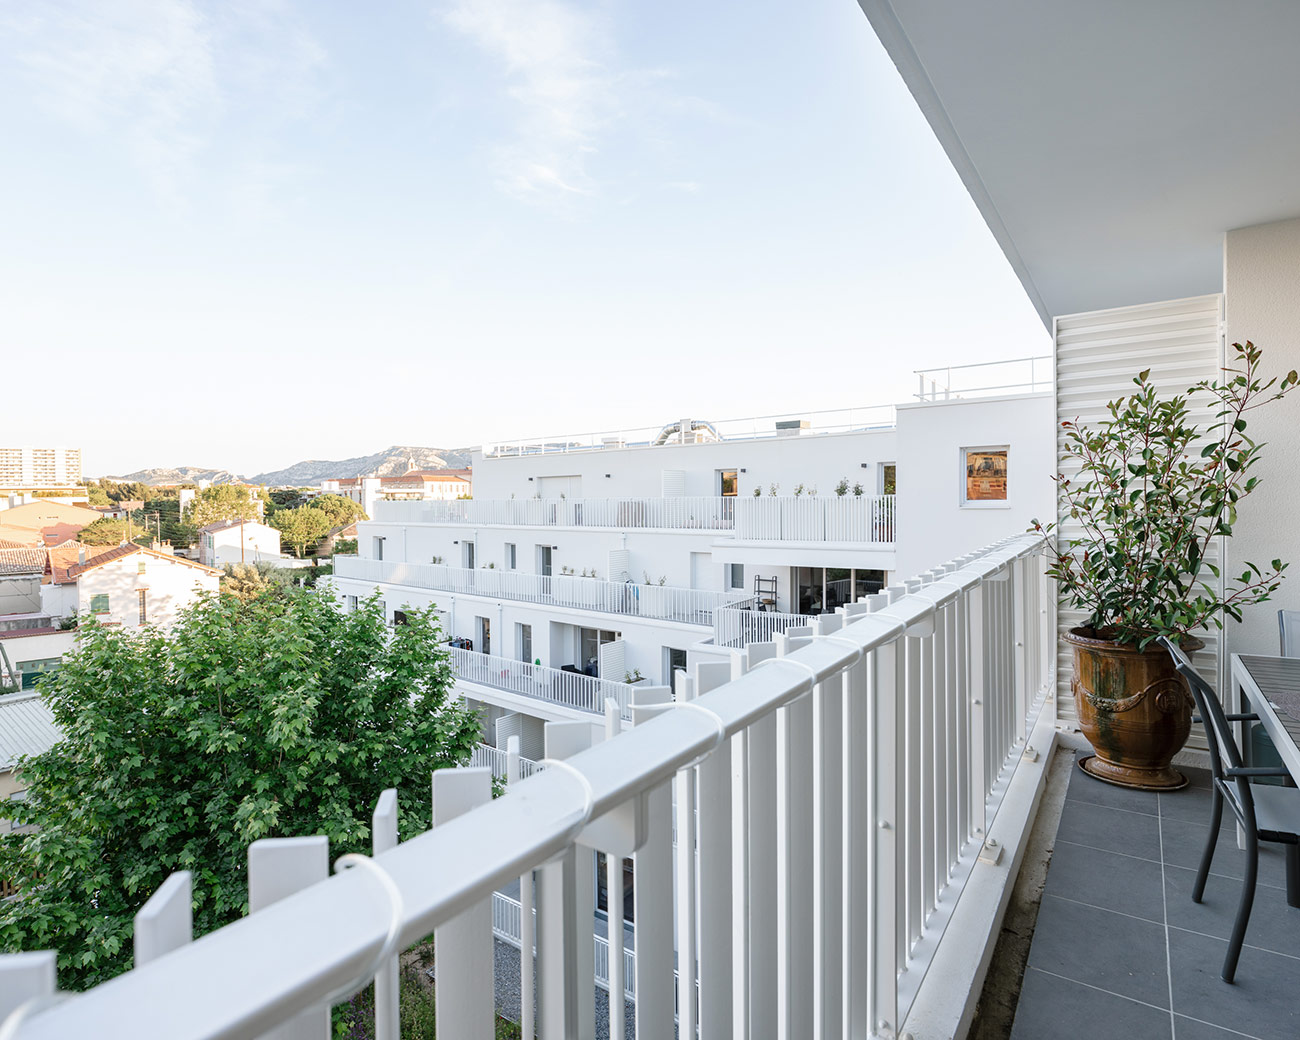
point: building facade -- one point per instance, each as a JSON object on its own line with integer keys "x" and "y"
{"x": 238, "y": 541}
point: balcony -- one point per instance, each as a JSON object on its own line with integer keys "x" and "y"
{"x": 485, "y": 756}
{"x": 859, "y": 519}
{"x": 687, "y": 513}
{"x": 553, "y": 685}
{"x": 885, "y": 784}
{"x": 653, "y": 602}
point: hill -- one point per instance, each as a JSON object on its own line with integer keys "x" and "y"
{"x": 390, "y": 463}
{"x": 179, "y": 475}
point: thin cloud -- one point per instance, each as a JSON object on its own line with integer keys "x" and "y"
{"x": 560, "y": 63}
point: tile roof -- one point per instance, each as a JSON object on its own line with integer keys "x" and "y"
{"x": 20, "y": 537}
{"x": 130, "y": 549}
{"x": 26, "y": 727}
{"x": 6, "y": 544}
{"x": 66, "y": 556}
{"x": 22, "y": 561}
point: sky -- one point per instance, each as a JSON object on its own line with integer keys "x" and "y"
{"x": 240, "y": 234}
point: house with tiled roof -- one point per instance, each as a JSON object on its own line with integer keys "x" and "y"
{"x": 133, "y": 586}
{"x": 21, "y": 572}
{"x": 238, "y": 541}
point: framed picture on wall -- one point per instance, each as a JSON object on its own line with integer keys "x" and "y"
{"x": 985, "y": 474}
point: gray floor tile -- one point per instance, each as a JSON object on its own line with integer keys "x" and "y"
{"x": 1114, "y": 830}
{"x": 1273, "y": 925}
{"x": 1192, "y": 805}
{"x": 1107, "y": 880}
{"x": 1261, "y": 1002}
{"x": 1084, "y": 788}
{"x": 1053, "y": 1008}
{"x": 1184, "y": 843}
{"x": 1107, "y": 950}
{"x": 1190, "y": 1029}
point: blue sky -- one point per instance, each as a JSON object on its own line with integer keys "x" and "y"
{"x": 241, "y": 234}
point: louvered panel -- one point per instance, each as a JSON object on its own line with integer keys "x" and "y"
{"x": 1097, "y": 356}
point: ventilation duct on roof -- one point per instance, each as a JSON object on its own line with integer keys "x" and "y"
{"x": 688, "y": 431}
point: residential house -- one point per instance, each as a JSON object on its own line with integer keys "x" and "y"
{"x": 428, "y": 485}
{"x": 27, "y": 728}
{"x": 238, "y": 541}
{"x": 45, "y": 522}
{"x": 134, "y": 586}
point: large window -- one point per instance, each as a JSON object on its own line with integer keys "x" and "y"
{"x": 524, "y": 635}
{"x": 591, "y": 641}
{"x": 888, "y": 478}
{"x": 511, "y": 556}
{"x": 379, "y": 547}
{"x": 985, "y": 475}
{"x": 728, "y": 483}
{"x": 468, "y": 549}
{"x": 544, "y": 560}
{"x": 674, "y": 661}
{"x": 820, "y": 590}
{"x": 735, "y": 575}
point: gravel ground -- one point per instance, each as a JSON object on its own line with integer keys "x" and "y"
{"x": 507, "y": 990}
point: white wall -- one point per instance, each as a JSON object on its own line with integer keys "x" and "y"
{"x": 259, "y": 542}
{"x": 20, "y": 594}
{"x": 1262, "y": 304}
{"x": 169, "y": 586}
{"x": 812, "y": 459}
{"x": 38, "y": 648}
{"x": 933, "y": 524}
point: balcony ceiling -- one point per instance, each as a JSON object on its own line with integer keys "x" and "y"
{"x": 1109, "y": 144}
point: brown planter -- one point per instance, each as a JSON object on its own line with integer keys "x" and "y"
{"x": 1134, "y": 708}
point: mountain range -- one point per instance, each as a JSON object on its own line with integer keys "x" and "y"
{"x": 389, "y": 463}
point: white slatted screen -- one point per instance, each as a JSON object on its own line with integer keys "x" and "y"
{"x": 1097, "y": 356}
{"x": 613, "y": 660}
{"x": 673, "y": 483}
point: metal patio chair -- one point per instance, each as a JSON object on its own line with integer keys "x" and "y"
{"x": 1262, "y": 812}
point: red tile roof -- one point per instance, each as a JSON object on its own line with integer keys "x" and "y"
{"x": 130, "y": 549}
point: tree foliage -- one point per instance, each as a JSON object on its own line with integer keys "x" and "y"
{"x": 107, "y": 531}
{"x": 281, "y": 716}
{"x": 302, "y": 527}
{"x": 221, "y": 502}
{"x": 339, "y": 509}
{"x": 247, "y": 581}
{"x": 1152, "y": 494}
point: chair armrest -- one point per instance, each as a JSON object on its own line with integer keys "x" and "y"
{"x": 1257, "y": 771}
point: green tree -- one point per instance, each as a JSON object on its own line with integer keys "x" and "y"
{"x": 340, "y": 510}
{"x": 107, "y": 531}
{"x": 247, "y": 581}
{"x": 302, "y": 527}
{"x": 221, "y": 502}
{"x": 282, "y": 716}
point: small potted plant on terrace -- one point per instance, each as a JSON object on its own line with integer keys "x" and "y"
{"x": 1153, "y": 495}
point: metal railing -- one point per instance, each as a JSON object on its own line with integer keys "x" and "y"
{"x": 865, "y": 519}
{"x": 661, "y": 602}
{"x": 755, "y": 427}
{"x": 693, "y": 512}
{"x": 1026, "y": 375}
{"x": 567, "y": 689}
{"x": 735, "y": 628}
{"x": 868, "y": 762}
{"x": 485, "y": 756}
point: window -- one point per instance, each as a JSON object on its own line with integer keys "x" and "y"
{"x": 31, "y": 671}
{"x": 524, "y": 639}
{"x": 99, "y": 604}
{"x": 888, "y": 478}
{"x": 544, "y": 560}
{"x": 399, "y": 618}
{"x": 735, "y": 575}
{"x": 511, "y": 560}
{"x": 674, "y": 661}
{"x": 139, "y": 567}
{"x": 728, "y": 483}
{"x": 352, "y": 604}
{"x": 590, "y": 641}
{"x": 985, "y": 475}
{"x": 144, "y": 617}
{"x": 820, "y": 590}
{"x": 467, "y": 554}
{"x": 383, "y": 609}
{"x": 602, "y": 887}
{"x": 484, "y": 634}
{"x": 379, "y": 547}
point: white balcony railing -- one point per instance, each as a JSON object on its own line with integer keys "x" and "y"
{"x": 567, "y": 689}
{"x": 485, "y": 756}
{"x": 734, "y": 628}
{"x": 843, "y": 786}
{"x": 864, "y": 519}
{"x": 661, "y": 602}
{"x": 702, "y": 513}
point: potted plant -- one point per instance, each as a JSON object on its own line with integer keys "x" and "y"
{"x": 1153, "y": 495}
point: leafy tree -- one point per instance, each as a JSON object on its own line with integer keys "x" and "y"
{"x": 302, "y": 527}
{"x": 221, "y": 502}
{"x": 97, "y": 496}
{"x": 107, "y": 531}
{"x": 340, "y": 510}
{"x": 282, "y": 716}
{"x": 343, "y": 546}
{"x": 247, "y": 581}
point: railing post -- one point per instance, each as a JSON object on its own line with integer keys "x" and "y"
{"x": 977, "y": 671}
{"x": 715, "y": 909}
{"x": 26, "y": 977}
{"x": 887, "y": 754}
{"x": 279, "y": 867}
{"x": 684, "y": 784}
{"x": 613, "y": 899}
{"x": 463, "y": 953}
{"x": 166, "y": 921}
{"x": 383, "y": 829}
{"x": 527, "y": 941}
{"x": 828, "y": 843}
{"x": 652, "y": 895}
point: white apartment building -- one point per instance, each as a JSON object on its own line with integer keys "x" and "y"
{"x": 238, "y": 541}
{"x": 585, "y": 567}
{"x": 429, "y": 485}
{"x": 39, "y": 468}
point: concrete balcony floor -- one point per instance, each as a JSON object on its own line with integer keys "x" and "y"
{"x": 1120, "y": 949}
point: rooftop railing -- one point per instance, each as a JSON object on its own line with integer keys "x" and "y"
{"x": 567, "y": 689}
{"x": 658, "y": 602}
{"x": 862, "y": 519}
{"x": 844, "y": 779}
{"x": 1027, "y": 375}
{"x": 704, "y": 513}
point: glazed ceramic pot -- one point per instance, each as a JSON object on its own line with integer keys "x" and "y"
{"x": 1134, "y": 708}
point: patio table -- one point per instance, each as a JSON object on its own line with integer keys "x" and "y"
{"x": 1270, "y": 687}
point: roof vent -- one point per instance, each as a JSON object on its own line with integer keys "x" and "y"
{"x": 792, "y": 427}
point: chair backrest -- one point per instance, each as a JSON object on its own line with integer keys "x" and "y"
{"x": 1288, "y": 623}
{"x": 1224, "y": 751}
